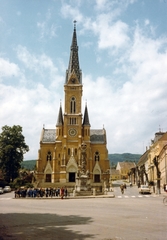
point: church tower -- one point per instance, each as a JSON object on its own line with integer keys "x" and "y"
{"x": 59, "y": 157}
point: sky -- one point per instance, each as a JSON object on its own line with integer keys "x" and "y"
{"x": 122, "y": 55}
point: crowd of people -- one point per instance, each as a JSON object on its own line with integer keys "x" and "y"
{"x": 41, "y": 192}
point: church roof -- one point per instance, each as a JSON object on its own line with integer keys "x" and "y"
{"x": 97, "y": 136}
{"x": 49, "y": 135}
{"x": 74, "y": 59}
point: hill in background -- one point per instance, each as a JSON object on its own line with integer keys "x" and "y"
{"x": 124, "y": 157}
{"x": 29, "y": 164}
{"x": 114, "y": 159}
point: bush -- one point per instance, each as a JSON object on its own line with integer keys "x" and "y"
{"x": 18, "y": 182}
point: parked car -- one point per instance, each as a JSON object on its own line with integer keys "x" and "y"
{"x": 7, "y": 189}
{"x": 144, "y": 189}
{"x": 1, "y": 190}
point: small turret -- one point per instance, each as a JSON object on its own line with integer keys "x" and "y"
{"x": 86, "y": 117}
{"x": 60, "y": 117}
{"x": 86, "y": 125}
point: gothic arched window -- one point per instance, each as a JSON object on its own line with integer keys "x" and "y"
{"x": 49, "y": 156}
{"x": 97, "y": 156}
{"x": 73, "y": 105}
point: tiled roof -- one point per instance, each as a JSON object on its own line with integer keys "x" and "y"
{"x": 49, "y": 135}
{"x": 143, "y": 158}
{"x": 127, "y": 164}
{"x": 97, "y": 136}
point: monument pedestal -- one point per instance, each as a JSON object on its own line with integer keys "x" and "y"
{"x": 82, "y": 183}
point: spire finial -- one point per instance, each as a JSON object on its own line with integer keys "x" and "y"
{"x": 75, "y": 24}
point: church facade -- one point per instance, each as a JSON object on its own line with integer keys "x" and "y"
{"x": 60, "y": 155}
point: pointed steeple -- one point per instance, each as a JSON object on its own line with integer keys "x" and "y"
{"x": 74, "y": 59}
{"x": 86, "y": 117}
{"x": 60, "y": 117}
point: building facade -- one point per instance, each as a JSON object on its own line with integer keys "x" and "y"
{"x": 59, "y": 157}
{"x": 124, "y": 168}
{"x": 151, "y": 168}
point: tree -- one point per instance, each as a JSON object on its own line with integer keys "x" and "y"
{"x": 156, "y": 163}
{"x": 12, "y": 148}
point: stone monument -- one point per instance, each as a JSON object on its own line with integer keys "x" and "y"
{"x": 83, "y": 176}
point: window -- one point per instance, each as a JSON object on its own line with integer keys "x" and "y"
{"x": 68, "y": 151}
{"x": 73, "y": 105}
{"x": 75, "y": 151}
{"x": 71, "y": 176}
{"x": 49, "y": 156}
{"x": 73, "y": 121}
{"x": 97, "y": 156}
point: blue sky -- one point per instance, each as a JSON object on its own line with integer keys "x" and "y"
{"x": 122, "y": 54}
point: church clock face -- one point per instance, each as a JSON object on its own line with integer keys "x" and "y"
{"x": 72, "y": 132}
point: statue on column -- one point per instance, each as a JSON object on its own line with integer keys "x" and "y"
{"x": 83, "y": 158}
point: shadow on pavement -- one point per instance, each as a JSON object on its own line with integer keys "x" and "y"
{"x": 20, "y": 226}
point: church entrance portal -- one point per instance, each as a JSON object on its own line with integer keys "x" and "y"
{"x": 48, "y": 177}
{"x": 72, "y": 177}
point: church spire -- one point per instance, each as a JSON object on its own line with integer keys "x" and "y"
{"x": 86, "y": 117}
{"x": 74, "y": 58}
{"x": 60, "y": 117}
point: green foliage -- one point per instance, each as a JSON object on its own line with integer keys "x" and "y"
{"x": 29, "y": 164}
{"x": 19, "y": 182}
{"x": 124, "y": 157}
{"x": 12, "y": 148}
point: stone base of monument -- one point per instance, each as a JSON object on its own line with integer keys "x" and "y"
{"x": 83, "y": 185}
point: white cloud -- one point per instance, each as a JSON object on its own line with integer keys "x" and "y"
{"x": 139, "y": 105}
{"x": 130, "y": 101}
{"x": 147, "y": 22}
{"x": 34, "y": 62}
{"x": 68, "y": 11}
{"x": 8, "y": 69}
{"x": 46, "y": 27}
{"x": 114, "y": 36}
{"x": 41, "y": 65}
{"x": 30, "y": 108}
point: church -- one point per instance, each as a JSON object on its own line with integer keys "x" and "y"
{"x": 60, "y": 154}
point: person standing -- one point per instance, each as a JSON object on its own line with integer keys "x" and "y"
{"x": 122, "y": 188}
{"x": 62, "y": 192}
{"x": 65, "y": 192}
